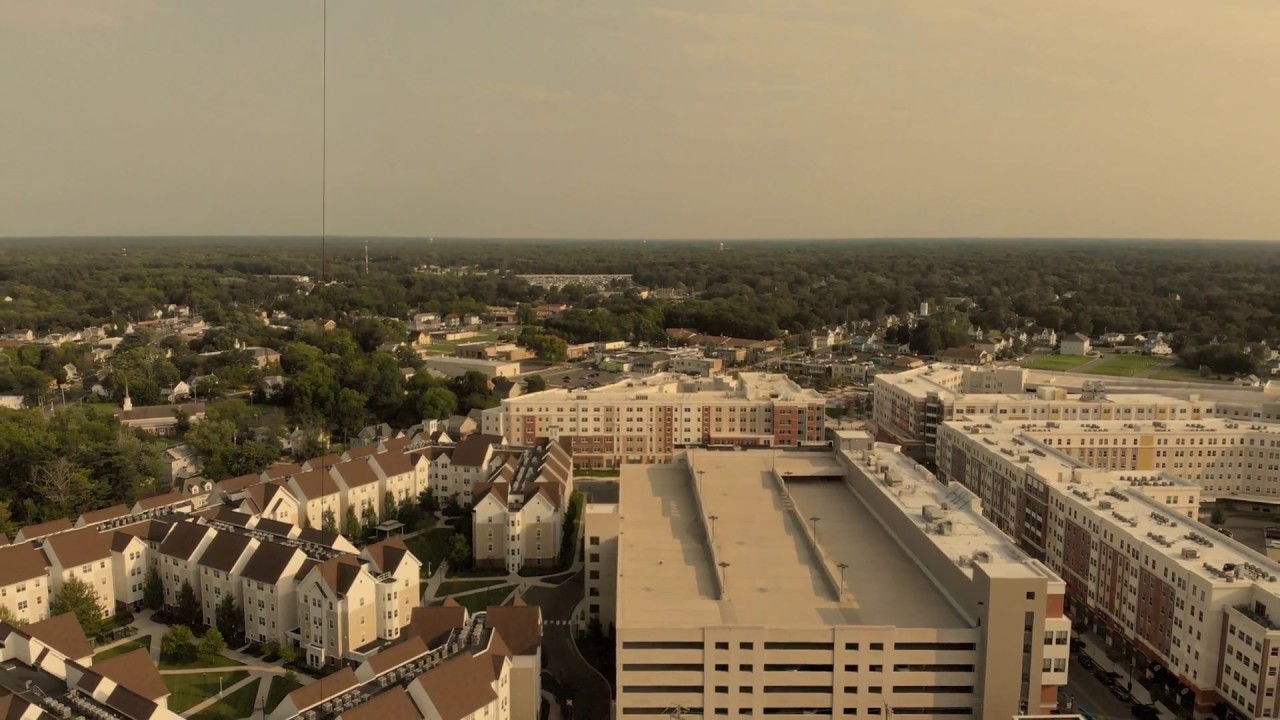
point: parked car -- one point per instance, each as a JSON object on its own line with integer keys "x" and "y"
{"x": 1120, "y": 691}
{"x": 1086, "y": 662}
{"x": 1144, "y": 711}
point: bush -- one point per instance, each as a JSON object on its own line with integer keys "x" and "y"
{"x": 178, "y": 645}
{"x": 212, "y": 645}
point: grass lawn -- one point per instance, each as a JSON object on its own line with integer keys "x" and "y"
{"x": 431, "y": 546}
{"x": 189, "y": 690}
{"x": 220, "y": 661}
{"x": 1124, "y": 365}
{"x": 143, "y": 642}
{"x": 238, "y": 704}
{"x": 481, "y": 600}
{"x": 1061, "y": 363}
{"x": 281, "y": 685}
{"x": 1179, "y": 373}
{"x": 457, "y": 586}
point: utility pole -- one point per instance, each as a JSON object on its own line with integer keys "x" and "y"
{"x": 366, "y": 256}
{"x": 324, "y": 125}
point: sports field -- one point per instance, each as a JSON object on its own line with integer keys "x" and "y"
{"x": 1060, "y": 363}
{"x": 1125, "y": 365}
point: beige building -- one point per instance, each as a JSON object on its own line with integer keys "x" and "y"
{"x": 319, "y": 498}
{"x": 24, "y": 582}
{"x": 176, "y": 558}
{"x": 269, "y": 584}
{"x": 909, "y": 406}
{"x": 645, "y": 420}
{"x": 829, "y": 583}
{"x": 1139, "y": 568}
{"x": 357, "y": 491}
{"x": 221, "y": 565}
{"x": 337, "y": 610}
{"x": 130, "y": 561}
{"x": 519, "y": 511}
{"x": 84, "y": 555}
{"x": 454, "y": 470}
{"x": 397, "y": 572}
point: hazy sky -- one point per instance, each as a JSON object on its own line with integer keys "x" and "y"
{"x": 629, "y": 118}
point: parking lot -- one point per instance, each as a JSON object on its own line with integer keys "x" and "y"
{"x": 579, "y": 378}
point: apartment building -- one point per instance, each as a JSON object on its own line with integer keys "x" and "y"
{"x": 519, "y": 511}
{"x": 645, "y": 420}
{"x": 176, "y": 558}
{"x": 1139, "y": 568}
{"x": 455, "y": 469}
{"x": 401, "y": 475}
{"x": 874, "y": 591}
{"x": 601, "y": 523}
{"x": 909, "y": 406}
{"x": 397, "y": 572}
{"x": 129, "y": 564}
{"x": 83, "y": 555}
{"x": 451, "y": 665}
{"x": 357, "y": 485}
{"x": 271, "y": 500}
{"x": 221, "y": 566}
{"x": 268, "y": 588}
{"x": 24, "y": 582}
{"x": 337, "y": 610}
{"x": 319, "y": 498}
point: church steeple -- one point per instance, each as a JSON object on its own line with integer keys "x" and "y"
{"x": 128, "y": 402}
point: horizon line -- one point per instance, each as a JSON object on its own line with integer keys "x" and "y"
{"x": 510, "y": 238}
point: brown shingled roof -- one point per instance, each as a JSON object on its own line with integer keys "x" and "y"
{"x": 361, "y": 452}
{"x": 33, "y": 532}
{"x": 395, "y": 463}
{"x": 79, "y": 547}
{"x": 155, "y": 412}
{"x": 120, "y": 541}
{"x": 519, "y": 624}
{"x": 317, "y": 692}
{"x": 356, "y": 473}
{"x": 397, "y": 655}
{"x": 149, "y": 530}
{"x": 459, "y": 686}
{"x": 135, "y": 671}
{"x": 339, "y": 573}
{"x": 183, "y": 540}
{"x": 324, "y": 461}
{"x": 159, "y": 501}
{"x": 268, "y": 562}
{"x": 472, "y": 449}
{"x": 240, "y": 482}
{"x": 433, "y": 624}
{"x": 283, "y": 469}
{"x": 388, "y": 554}
{"x": 394, "y": 704}
{"x": 111, "y": 513}
{"x": 224, "y": 551}
{"x": 315, "y": 484}
{"x": 21, "y": 562}
{"x": 62, "y": 633}
{"x": 482, "y": 490}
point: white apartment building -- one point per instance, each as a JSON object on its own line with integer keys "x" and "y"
{"x": 130, "y": 562}
{"x": 24, "y": 582}
{"x": 176, "y": 558}
{"x": 337, "y": 610}
{"x": 319, "y": 498}
{"x": 401, "y": 474}
{"x": 397, "y": 572}
{"x": 455, "y": 469}
{"x": 875, "y": 590}
{"x": 1137, "y": 564}
{"x": 519, "y": 511}
{"x": 358, "y": 492}
{"x": 84, "y": 555}
{"x": 646, "y": 420}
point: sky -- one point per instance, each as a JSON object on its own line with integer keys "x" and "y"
{"x": 642, "y": 119}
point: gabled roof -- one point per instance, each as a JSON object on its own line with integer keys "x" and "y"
{"x": 433, "y": 624}
{"x": 224, "y": 551}
{"x": 394, "y": 704}
{"x": 79, "y": 547}
{"x": 135, "y": 671}
{"x": 397, "y": 655}
{"x": 364, "y": 451}
{"x": 183, "y": 540}
{"x": 33, "y": 532}
{"x": 21, "y": 562}
{"x": 98, "y": 516}
{"x": 269, "y": 562}
{"x": 387, "y": 555}
{"x": 120, "y": 541}
{"x": 240, "y": 482}
{"x": 519, "y": 624}
{"x": 62, "y": 633}
{"x": 150, "y": 530}
{"x": 317, "y": 692}
{"x": 323, "y": 461}
{"x": 460, "y": 685}
{"x": 267, "y": 495}
{"x": 281, "y": 470}
{"x": 159, "y": 501}
{"x": 313, "y": 484}
{"x": 339, "y": 574}
{"x": 393, "y": 463}
{"x": 356, "y": 473}
{"x": 484, "y": 490}
{"x": 471, "y": 450}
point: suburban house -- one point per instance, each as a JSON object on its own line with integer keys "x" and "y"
{"x": 158, "y": 419}
{"x": 971, "y": 355}
{"x": 1075, "y": 344}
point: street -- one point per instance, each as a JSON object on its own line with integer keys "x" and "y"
{"x": 1090, "y": 695}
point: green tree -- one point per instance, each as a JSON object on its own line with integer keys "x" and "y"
{"x": 7, "y": 616}
{"x": 188, "y": 607}
{"x": 389, "y": 505}
{"x": 211, "y": 645}
{"x": 76, "y": 596}
{"x": 328, "y": 523}
{"x": 288, "y": 654}
{"x": 178, "y": 644}
{"x": 459, "y": 551}
{"x": 1219, "y": 517}
{"x": 229, "y": 618}
{"x": 535, "y": 383}
{"x": 348, "y": 416}
{"x": 153, "y": 590}
{"x": 353, "y": 523}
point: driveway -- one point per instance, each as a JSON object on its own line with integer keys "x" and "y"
{"x": 559, "y": 655}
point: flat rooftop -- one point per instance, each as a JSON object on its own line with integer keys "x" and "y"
{"x": 664, "y": 386}
{"x": 667, "y": 576}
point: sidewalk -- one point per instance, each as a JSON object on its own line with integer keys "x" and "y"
{"x": 1096, "y": 649}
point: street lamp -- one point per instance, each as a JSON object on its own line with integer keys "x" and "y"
{"x": 843, "y": 567}
{"x": 713, "y": 519}
{"x": 814, "y": 520}
{"x": 700, "y": 474}
{"x": 724, "y": 577}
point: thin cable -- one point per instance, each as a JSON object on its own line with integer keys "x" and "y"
{"x": 324, "y": 128}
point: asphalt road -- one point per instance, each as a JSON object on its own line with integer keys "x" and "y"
{"x": 1090, "y": 694}
{"x": 591, "y": 698}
